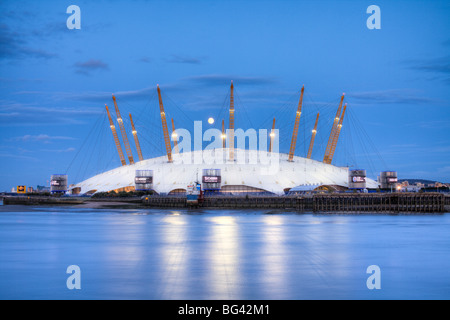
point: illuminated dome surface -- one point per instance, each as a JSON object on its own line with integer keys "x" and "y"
{"x": 252, "y": 173}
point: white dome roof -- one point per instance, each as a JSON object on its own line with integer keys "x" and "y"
{"x": 259, "y": 169}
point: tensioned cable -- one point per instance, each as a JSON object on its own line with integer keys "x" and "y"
{"x": 241, "y": 105}
{"x": 365, "y": 151}
{"x": 218, "y": 117}
{"x": 86, "y": 139}
{"x": 87, "y": 166}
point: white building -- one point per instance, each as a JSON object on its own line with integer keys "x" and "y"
{"x": 251, "y": 171}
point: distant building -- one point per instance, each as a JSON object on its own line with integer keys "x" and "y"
{"x": 13, "y": 190}
{"x": 42, "y": 189}
{"x": 302, "y": 189}
{"x": 409, "y": 189}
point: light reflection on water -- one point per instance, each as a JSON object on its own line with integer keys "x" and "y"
{"x": 174, "y": 257}
{"x": 274, "y": 257}
{"x": 223, "y": 252}
{"x": 220, "y": 254}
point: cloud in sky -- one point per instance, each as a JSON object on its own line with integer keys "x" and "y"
{"x": 429, "y": 124}
{"x": 17, "y": 156}
{"x": 391, "y": 96}
{"x": 44, "y": 138}
{"x": 70, "y": 149}
{"x": 174, "y": 58}
{"x": 89, "y": 66}
{"x": 11, "y": 108}
{"x": 102, "y": 96}
{"x": 440, "y": 65}
{"x": 184, "y": 84}
{"x": 15, "y": 114}
{"x": 145, "y": 60}
{"x": 224, "y": 80}
{"x": 14, "y": 45}
{"x": 9, "y": 114}
{"x": 205, "y": 100}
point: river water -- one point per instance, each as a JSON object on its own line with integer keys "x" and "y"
{"x": 133, "y": 253}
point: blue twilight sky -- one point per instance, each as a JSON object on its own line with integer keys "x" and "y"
{"x": 54, "y": 82}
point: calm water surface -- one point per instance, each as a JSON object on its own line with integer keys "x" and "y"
{"x": 220, "y": 254}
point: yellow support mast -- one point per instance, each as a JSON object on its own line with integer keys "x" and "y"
{"x": 296, "y": 125}
{"x": 164, "y": 125}
{"x": 123, "y": 132}
{"x": 313, "y": 137}
{"x": 136, "y": 140}
{"x": 116, "y": 138}
{"x": 336, "y": 136}
{"x": 326, "y": 157}
{"x": 231, "y": 130}
{"x": 272, "y": 135}
{"x": 224, "y": 136}
{"x": 174, "y": 138}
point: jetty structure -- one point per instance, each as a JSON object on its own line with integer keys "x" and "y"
{"x": 229, "y": 169}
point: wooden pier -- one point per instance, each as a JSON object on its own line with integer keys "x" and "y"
{"x": 380, "y": 203}
{"x": 165, "y": 202}
{"x": 40, "y": 200}
{"x": 288, "y": 203}
{"x": 393, "y": 203}
{"x": 340, "y": 203}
